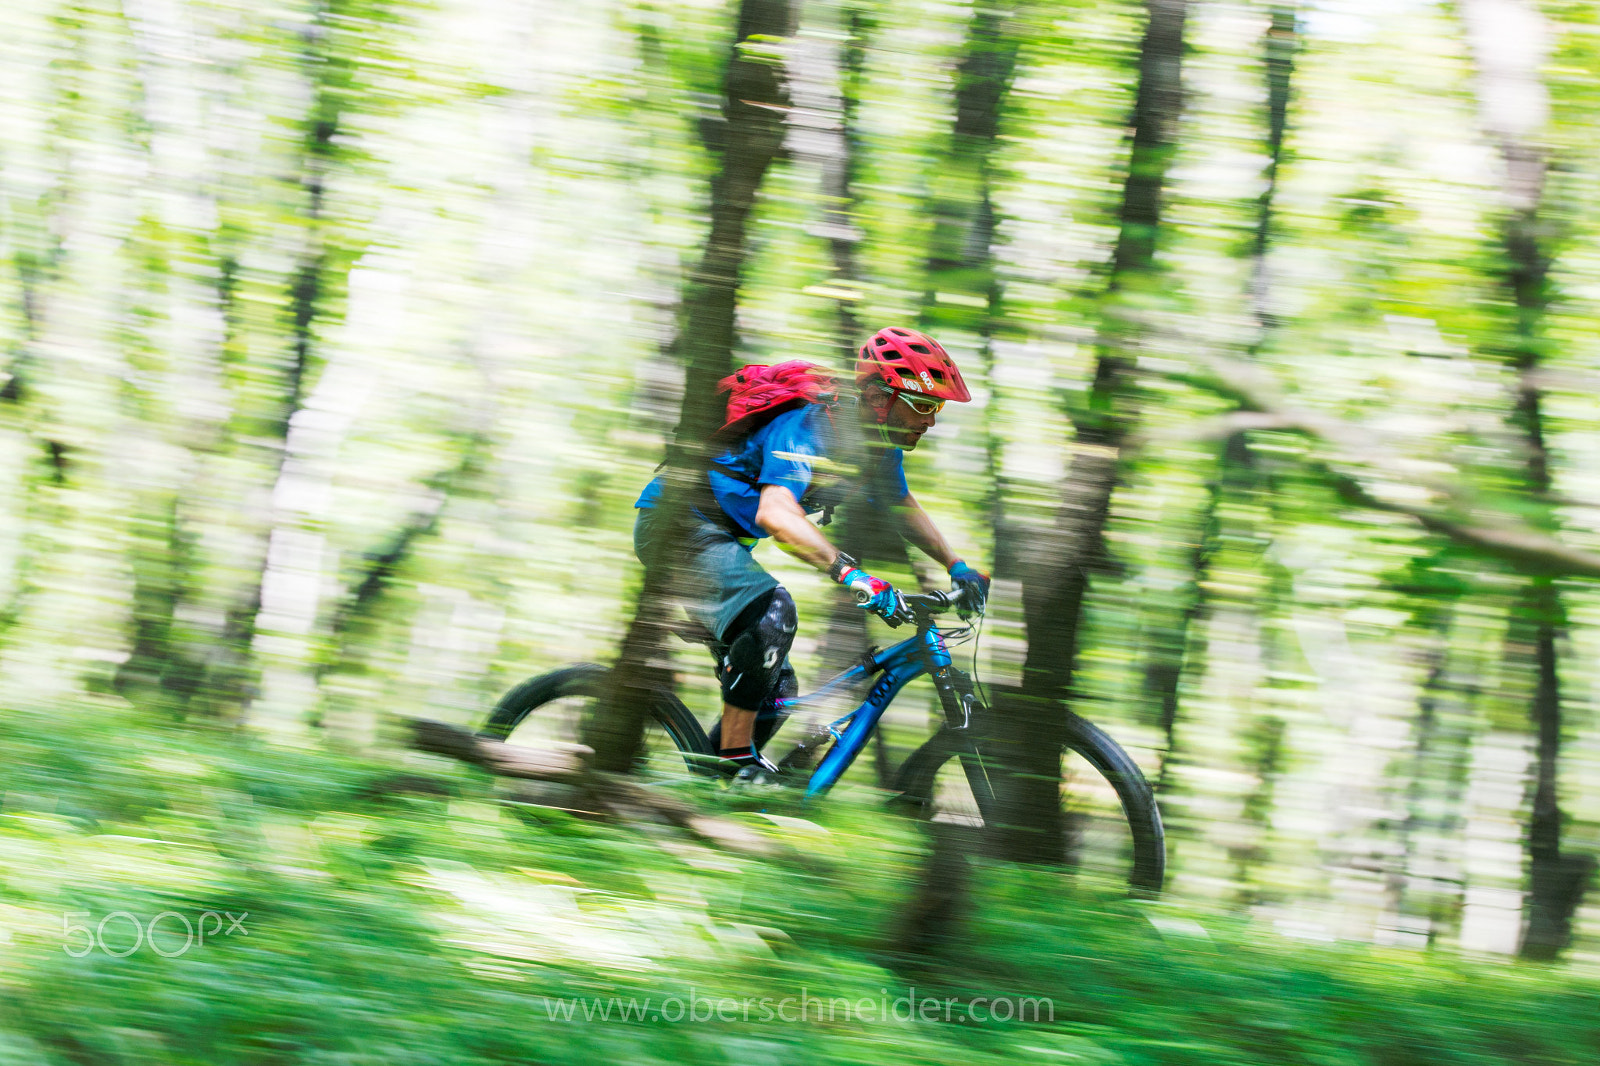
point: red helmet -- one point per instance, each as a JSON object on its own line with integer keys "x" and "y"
{"x": 909, "y": 361}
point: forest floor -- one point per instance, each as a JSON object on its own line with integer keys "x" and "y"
{"x": 303, "y": 912}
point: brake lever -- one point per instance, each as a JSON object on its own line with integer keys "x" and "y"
{"x": 904, "y": 614}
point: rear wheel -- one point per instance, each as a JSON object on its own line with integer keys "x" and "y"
{"x": 1111, "y": 809}
{"x": 564, "y": 699}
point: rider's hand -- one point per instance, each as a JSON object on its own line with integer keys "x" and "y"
{"x": 974, "y": 583}
{"x": 876, "y": 595}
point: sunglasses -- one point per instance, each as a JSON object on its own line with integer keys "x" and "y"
{"x": 922, "y": 404}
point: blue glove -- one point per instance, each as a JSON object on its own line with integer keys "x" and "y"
{"x": 876, "y": 595}
{"x": 974, "y": 583}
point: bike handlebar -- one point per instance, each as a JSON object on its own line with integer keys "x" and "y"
{"x": 933, "y": 601}
{"x": 930, "y": 603}
{"x": 936, "y": 602}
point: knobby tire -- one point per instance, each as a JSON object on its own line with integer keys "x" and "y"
{"x": 916, "y": 778}
{"x": 587, "y": 680}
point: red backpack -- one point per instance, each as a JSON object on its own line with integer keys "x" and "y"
{"x": 758, "y": 393}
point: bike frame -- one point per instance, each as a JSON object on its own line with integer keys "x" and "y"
{"x": 925, "y": 653}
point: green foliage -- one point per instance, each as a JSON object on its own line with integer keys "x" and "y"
{"x": 387, "y": 927}
{"x": 473, "y": 221}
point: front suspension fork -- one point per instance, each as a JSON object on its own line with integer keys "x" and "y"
{"x": 956, "y": 696}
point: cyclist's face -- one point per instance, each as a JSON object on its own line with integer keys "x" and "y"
{"x": 905, "y": 423}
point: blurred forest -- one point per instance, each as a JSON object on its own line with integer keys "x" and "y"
{"x": 339, "y": 338}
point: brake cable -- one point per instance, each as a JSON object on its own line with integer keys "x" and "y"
{"x": 977, "y": 638}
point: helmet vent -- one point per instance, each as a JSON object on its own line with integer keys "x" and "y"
{"x": 923, "y": 348}
{"x": 898, "y": 332}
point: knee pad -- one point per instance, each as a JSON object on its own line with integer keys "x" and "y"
{"x": 755, "y": 661}
{"x": 768, "y": 716}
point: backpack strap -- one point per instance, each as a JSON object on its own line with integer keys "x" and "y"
{"x": 705, "y": 499}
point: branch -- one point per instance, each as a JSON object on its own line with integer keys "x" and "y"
{"x": 1523, "y": 547}
{"x": 1514, "y": 542}
{"x": 609, "y": 794}
{"x": 500, "y": 759}
{"x": 380, "y": 566}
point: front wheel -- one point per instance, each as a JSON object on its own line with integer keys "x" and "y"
{"x": 564, "y": 699}
{"x": 948, "y": 779}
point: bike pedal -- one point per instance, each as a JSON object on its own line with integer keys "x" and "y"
{"x": 757, "y": 774}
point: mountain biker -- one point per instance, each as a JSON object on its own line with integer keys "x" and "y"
{"x": 806, "y": 460}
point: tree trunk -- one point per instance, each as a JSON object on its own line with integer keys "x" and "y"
{"x": 158, "y": 661}
{"x": 30, "y": 274}
{"x": 1556, "y": 880}
{"x": 230, "y": 683}
{"x": 39, "y": 237}
{"x": 828, "y": 62}
{"x": 352, "y": 620}
{"x": 1264, "y": 742}
{"x": 33, "y": 270}
{"x": 1057, "y": 581}
{"x": 937, "y": 913}
{"x": 961, "y": 265}
{"x": 752, "y": 134}
{"x": 1509, "y": 39}
{"x": 1176, "y": 633}
{"x": 963, "y": 292}
{"x": 960, "y": 260}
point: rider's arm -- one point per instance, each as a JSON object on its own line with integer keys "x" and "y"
{"x": 918, "y": 528}
{"x": 780, "y": 515}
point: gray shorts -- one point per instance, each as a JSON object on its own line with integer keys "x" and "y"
{"x": 719, "y": 576}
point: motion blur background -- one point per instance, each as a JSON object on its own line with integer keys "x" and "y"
{"x": 339, "y": 339}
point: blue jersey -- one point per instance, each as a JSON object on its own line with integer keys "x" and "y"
{"x": 799, "y": 450}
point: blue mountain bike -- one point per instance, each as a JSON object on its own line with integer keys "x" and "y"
{"x": 947, "y": 778}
